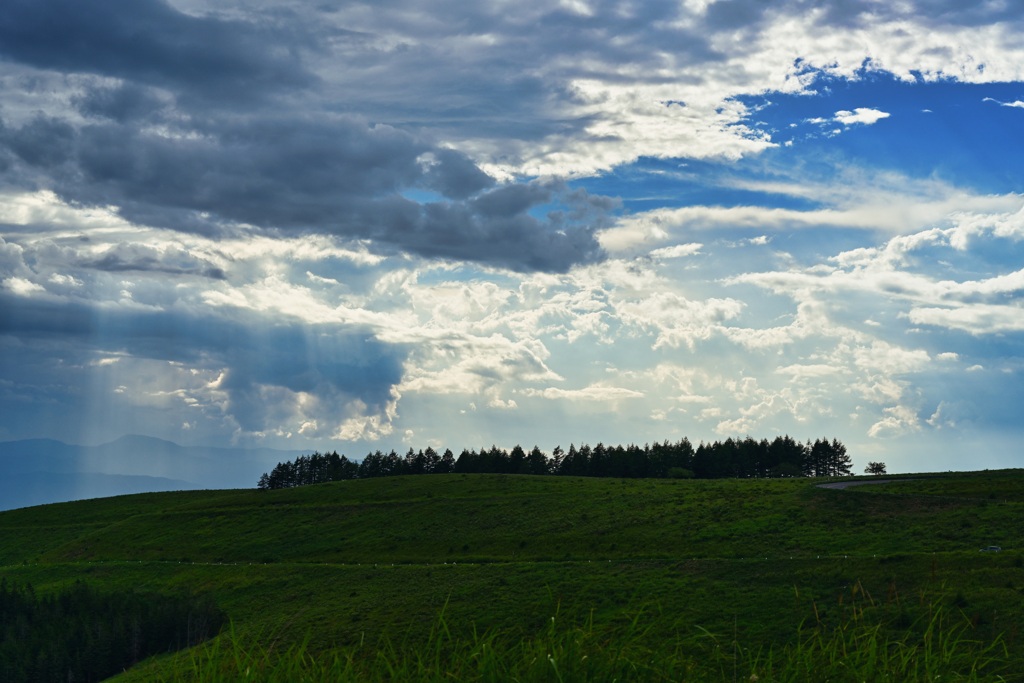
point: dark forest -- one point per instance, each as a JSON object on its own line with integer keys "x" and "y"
{"x": 746, "y": 458}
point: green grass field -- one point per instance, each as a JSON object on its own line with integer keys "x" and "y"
{"x": 480, "y": 577}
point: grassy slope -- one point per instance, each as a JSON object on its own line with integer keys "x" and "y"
{"x": 748, "y": 560}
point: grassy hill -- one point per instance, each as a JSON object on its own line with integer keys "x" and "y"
{"x": 716, "y": 574}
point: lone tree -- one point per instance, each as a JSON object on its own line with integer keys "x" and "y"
{"x": 875, "y": 468}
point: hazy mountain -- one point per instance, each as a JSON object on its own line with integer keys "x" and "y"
{"x": 38, "y": 471}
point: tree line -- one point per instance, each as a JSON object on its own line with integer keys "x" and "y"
{"x": 80, "y": 634}
{"x": 737, "y": 458}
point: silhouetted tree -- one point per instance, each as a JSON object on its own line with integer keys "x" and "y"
{"x": 573, "y": 465}
{"x": 517, "y": 460}
{"x": 447, "y": 464}
{"x": 817, "y": 462}
{"x": 431, "y": 460}
{"x": 467, "y": 462}
{"x": 536, "y": 462}
{"x": 840, "y": 463}
{"x": 556, "y": 460}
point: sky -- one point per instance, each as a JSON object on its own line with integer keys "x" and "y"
{"x": 372, "y": 225}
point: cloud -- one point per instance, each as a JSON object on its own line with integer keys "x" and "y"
{"x": 44, "y": 141}
{"x": 328, "y": 176}
{"x": 894, "y": 270}
{"x": 152, "y": 42}
{"x": 898, "y": 421}
{"x": 332, "y": 373}
{"x": 126, "y": 257}
{"x": 677, "y": 251}
{"x": 580, "y": 91}
{"x": 485, "y": 367}
{"x": 327, "y": 376}
{"x": 860, "y": 115}
{"x": 1016, "y": 104}
{"x": 123, "y": 102}
{"x": 591, "y": 393}
{"x": 809, "y": 371}
{"x": 977, "y": 319}
{"x": 12, "y": 258}
{"x": 21, "y": 286}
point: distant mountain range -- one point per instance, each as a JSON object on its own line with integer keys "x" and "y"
{"x": 39, "y": 471}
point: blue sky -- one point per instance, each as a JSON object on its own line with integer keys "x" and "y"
{"x": 384, "y": 225}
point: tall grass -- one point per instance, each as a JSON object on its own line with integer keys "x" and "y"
{"x": 859, "y": 651}
{"x": 942, "y": 649}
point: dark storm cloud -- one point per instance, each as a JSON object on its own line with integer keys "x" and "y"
{"x": 142, "y": 258}
{"x": 509, "y": 77}
{"x": 41, "y": 321}
{"x": 734, "y": 14}
{"x": 510, "y": 201}
{"x": 43, "y": 142}
{"x": 642, "y": 34}
{"x": 125, "y": 102}
{"x": 749, "y": 15}
{"x": 455, "y": 176}
{"x": 496, "y": 228}
{"x": 317, "y": 360}
{"x": 335, "y": 363}
{"x": 855, "y": 13}
{"x": 306, "y": 174}
{"x": 151, "y": 42}
{"x": 186, "y": 139}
